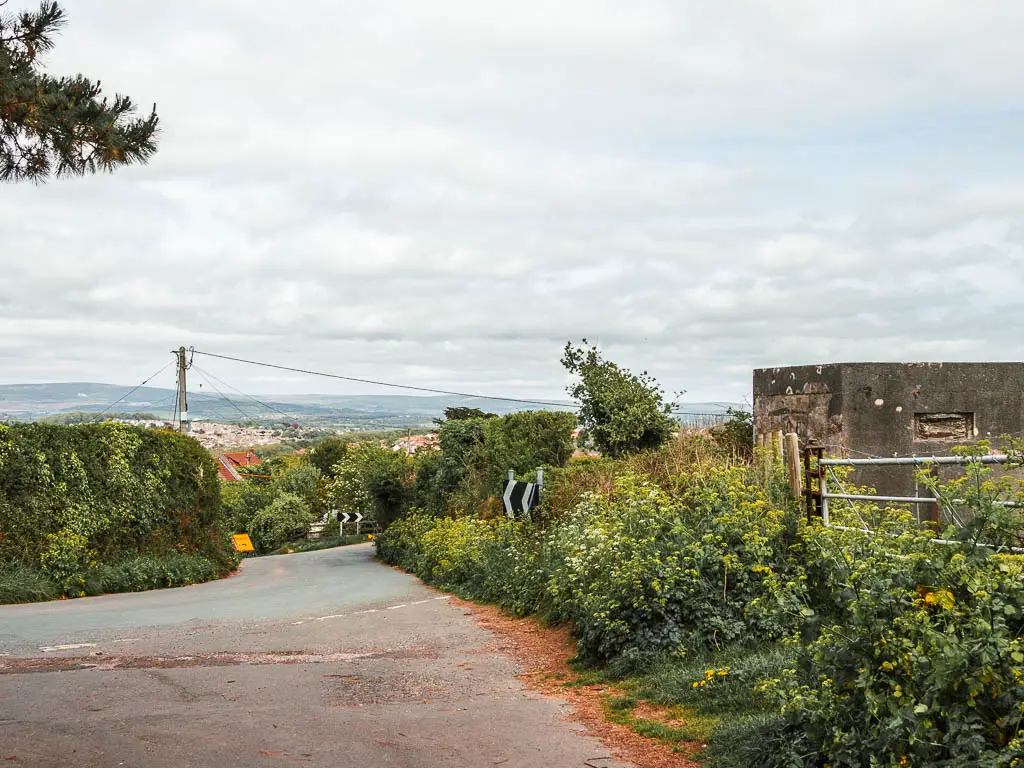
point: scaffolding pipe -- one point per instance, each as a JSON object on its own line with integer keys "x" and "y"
{"x": 917, "y": 461}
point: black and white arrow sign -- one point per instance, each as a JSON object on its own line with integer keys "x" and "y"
{"x": 519, "y": 497}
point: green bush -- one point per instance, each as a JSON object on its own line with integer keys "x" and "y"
{"x": 737, "y": 433}
{"x": 75, "y": 497}
{"x": 637, "y": 572}
{"x": 142, "y": 573}
{"x": 286, "y": 517}
{"x": 902, "y": 651}
{"x": 921, "y": 660}
{"x": 642, "y": 573}
{"x": 375, "y": 480}
{"x": 622, "y": 413}
{"x": 22, "y": 584}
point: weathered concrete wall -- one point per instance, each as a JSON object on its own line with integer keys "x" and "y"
{"x": 804, "y": 399}
{"x": 891, "y": 409}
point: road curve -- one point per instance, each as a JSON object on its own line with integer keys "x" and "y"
{"x": 318, "y": 659}
{"x": 278, "y": 587}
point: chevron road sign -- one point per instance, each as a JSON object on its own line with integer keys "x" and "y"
{"x": 348, "y": 517}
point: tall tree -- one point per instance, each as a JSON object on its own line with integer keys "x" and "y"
{"x": 59, "y": 126}
{"x": 622, "y": 412}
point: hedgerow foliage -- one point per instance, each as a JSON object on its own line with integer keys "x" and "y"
{"x": 74, "y": 498}
{"x": 901, "y": 651}
{"x": 277, "y": 502}
{"x": 467, "y": 473}
{"x": 638, "y": 570}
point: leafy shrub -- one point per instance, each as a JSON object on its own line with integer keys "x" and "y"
{"x": 373, "y": 479}
{"x": 66, "y": 558}
{"x": 326, "y": 454}
{"x": 737, "y": 433}
{"x": 637, "y": 572}
{"x": 74, "y": 497}
{"x": 243, "y": 500}
{"x": 302, "y": 480}
{"x": 23, "y": 584}
{"x": 286, "y": 517}
{"x": 921, "y": 663}
{"x": 622, "y": 412}
{"x": 904, "y": 651}
{"x": 641, "y": 573}
{"x": 138, "y": 574}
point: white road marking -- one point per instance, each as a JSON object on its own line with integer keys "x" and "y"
{"x": 68, "y": 647}
{"x": 369, "y": 610}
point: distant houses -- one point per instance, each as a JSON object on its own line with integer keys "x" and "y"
{"x": 413, "y": 443}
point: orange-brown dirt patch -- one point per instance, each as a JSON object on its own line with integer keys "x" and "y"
{"x": 665, "y": 715}
{"x": 543, "y": 653}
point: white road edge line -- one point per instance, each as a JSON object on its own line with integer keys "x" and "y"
{"x": 394, "y": 607}
{"x": 68, "y": 647}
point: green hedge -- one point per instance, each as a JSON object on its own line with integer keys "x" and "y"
{"x": 638, "y": 572}
{"x": 75, "y": 498}
{"x": 902, "y": 651}
{"x": 21, "y": 584}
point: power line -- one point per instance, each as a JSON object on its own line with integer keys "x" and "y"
{"x": 133, "y": 389}
{"x": 268, "y": 406}
{"x": 238, "y": 408}
{"x": 211, "y": 405}
{"x": 387, "y": 383}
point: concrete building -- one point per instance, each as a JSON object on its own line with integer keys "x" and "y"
{"x": 891, "y": 409}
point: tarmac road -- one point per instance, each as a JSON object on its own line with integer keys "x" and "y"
{"x": 317, "y": 659}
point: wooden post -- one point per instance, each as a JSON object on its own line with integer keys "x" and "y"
{"x": 777, "y": 442}
{"x": 796, "y": 486}
{"x": 808, "y": 491}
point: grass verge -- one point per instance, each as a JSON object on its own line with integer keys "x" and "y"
{"x": 21, "y": 584}
{"x": 324, "y": 542}
{"x": 710, "y": 698}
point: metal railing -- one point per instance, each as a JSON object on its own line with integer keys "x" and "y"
{"x": 825, "y": 465}
{"x": 824, "y": 495}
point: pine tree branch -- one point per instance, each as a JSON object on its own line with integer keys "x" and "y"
{"x": 63, "y": 127}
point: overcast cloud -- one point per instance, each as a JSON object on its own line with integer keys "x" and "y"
{"x": 442, "y": 193}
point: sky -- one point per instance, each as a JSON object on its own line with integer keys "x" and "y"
{"x": 443, "y": 194}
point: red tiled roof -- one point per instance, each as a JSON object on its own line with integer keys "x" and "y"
{"x": 224, "y": 473}
{"x": 243, "y": 459}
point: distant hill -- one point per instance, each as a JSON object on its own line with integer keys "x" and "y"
{"x": 32, "y": 401}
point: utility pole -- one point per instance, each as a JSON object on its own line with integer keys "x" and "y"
{"x": 182, "y": 402}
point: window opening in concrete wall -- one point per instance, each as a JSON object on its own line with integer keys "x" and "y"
{"x": 943, "y": 426}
